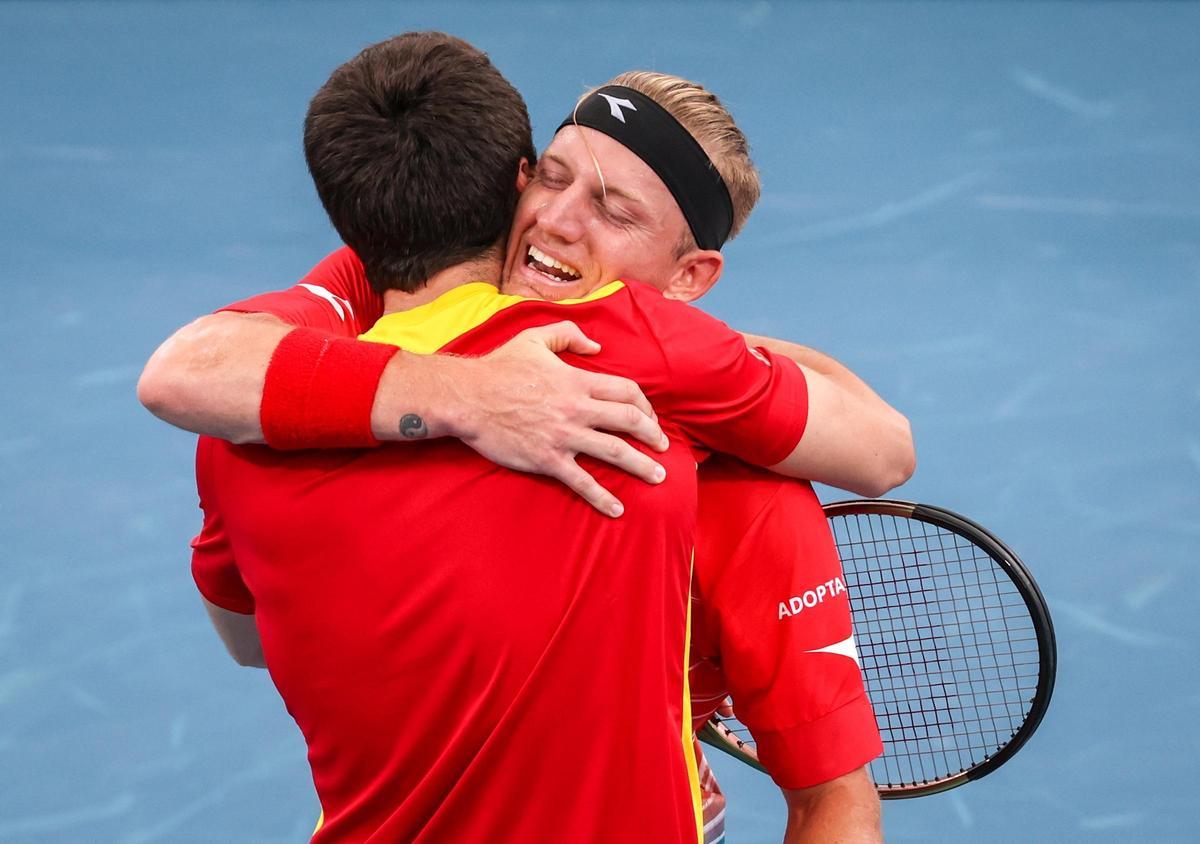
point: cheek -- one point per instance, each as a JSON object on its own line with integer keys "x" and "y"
{"x": 639, "y": 257}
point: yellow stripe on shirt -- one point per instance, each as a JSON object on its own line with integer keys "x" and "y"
{"x": 426, "y": 328}
{"x": 689, "y": 748}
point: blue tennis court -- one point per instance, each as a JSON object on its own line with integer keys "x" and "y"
{"x": 990, "y": 211}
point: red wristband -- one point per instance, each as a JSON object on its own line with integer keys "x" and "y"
{"x": 320, "y": 389}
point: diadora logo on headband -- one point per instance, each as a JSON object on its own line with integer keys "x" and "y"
{"x": 615, "y": 104}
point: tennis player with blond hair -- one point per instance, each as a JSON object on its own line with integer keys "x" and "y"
{"x": 646, "y": 179}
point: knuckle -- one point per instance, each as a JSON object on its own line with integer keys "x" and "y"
{"x": 574, "y": 407}
{"x": 561, "y": 441}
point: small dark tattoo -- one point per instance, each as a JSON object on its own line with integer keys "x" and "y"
{"x": 412, "y": 427}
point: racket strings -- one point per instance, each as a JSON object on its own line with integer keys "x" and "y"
{"x": 949, "y": 652}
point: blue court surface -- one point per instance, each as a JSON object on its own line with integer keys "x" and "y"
{"x": 991, "y": 211}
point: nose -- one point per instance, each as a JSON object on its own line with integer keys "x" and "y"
{"x": 561, "y": 215}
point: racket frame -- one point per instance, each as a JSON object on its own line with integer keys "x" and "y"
{"x": 716, "y": 734}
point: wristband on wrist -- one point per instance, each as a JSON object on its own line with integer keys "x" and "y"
{"x": 319, "y": 391}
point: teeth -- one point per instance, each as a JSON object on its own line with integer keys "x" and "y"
{"x": 542, "y": 258}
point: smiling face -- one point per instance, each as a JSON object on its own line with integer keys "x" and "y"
{"x": 572, "y": 236}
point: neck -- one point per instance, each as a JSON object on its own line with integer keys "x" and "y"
{"x": 483, "y": 269}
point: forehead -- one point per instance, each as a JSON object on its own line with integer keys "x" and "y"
{"x": 624, "y": 173}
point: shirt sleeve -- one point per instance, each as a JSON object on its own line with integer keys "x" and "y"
{"x": 213, "y": 565}
{"x": 335, "y": 296}
{"x": 777, "y": 618}
{"x": 729, "y": 397}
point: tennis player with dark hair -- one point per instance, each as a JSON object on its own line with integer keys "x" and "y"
{"x": 704, "y": 230}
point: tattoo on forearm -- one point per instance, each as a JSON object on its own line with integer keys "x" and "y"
{"x": 412, "y": 427}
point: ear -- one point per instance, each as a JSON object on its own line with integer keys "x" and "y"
{"x": 695, "y": 274}
{"x": 524, "y": 174}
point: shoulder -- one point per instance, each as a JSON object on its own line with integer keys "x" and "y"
{"x": 334, "y": 296}
{"x": 691, "y": 340}
{"x": 340, "y": 280}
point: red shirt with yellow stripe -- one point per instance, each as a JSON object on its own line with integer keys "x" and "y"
{"x": 475, "y": 654}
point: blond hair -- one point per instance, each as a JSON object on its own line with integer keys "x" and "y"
{"x": 700, "y": 112}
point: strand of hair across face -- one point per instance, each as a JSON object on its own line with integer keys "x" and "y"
{"x": 586, "y": 145}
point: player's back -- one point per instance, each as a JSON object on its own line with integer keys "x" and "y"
{"x": 473, "y": 653}
{"x": 467, "y": 644}
{"x": 464, "y": 646}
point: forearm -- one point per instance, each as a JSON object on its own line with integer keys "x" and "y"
{"x": 818, "y": 362}
{"x": 421, "y": 396}
{"x": 239, "y": 633}
{"x": 845, "y": 810}
{"x": 850, "y": 442}
{"x": 519, "y": 406}
{"x": 853, "y": 440}
{"x": 208, "y": 377}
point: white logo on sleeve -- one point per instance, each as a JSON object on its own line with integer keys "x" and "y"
{"x": 615, "y": 104}
{"x": 846, "y": 647}
{"x": 760, "y": 356}
{"x": 336, "y": 301}
{"x": 798, "y": 603}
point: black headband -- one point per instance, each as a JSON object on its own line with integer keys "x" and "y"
{"x": 648, "y": 131}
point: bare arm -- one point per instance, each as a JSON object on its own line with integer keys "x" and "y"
{"x": 519, "y": 406}
{"x": 845, "y": 810}
{"x": 239, "y": 633}
{"x": 208, "y": 376}
{"x": 853, "y": 440}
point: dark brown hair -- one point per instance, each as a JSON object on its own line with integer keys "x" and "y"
{"x": 414, "y": 147}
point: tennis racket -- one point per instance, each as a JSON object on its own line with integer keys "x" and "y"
{"x": 955, "y": 641}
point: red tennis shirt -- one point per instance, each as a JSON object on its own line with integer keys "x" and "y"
{"x": 771, "y": 626}
{"x": 474, "y": 654}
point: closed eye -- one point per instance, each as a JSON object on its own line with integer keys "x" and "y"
{"x": 616, "y": 213}
{"x": 552, "y": 178}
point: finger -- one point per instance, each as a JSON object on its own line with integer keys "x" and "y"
{"x": 621, "y": 454}
{"x": 588, "y": 488}
{"x": 624, "y": 419}
{"x": 725, "y": 710}
{"x": 616, "y": 388}
{"x": 563, "y": 337}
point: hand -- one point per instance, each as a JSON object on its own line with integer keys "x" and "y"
{"x": 524, "y": 408}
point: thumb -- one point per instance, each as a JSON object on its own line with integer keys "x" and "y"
{"x": 564, "y": 337}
